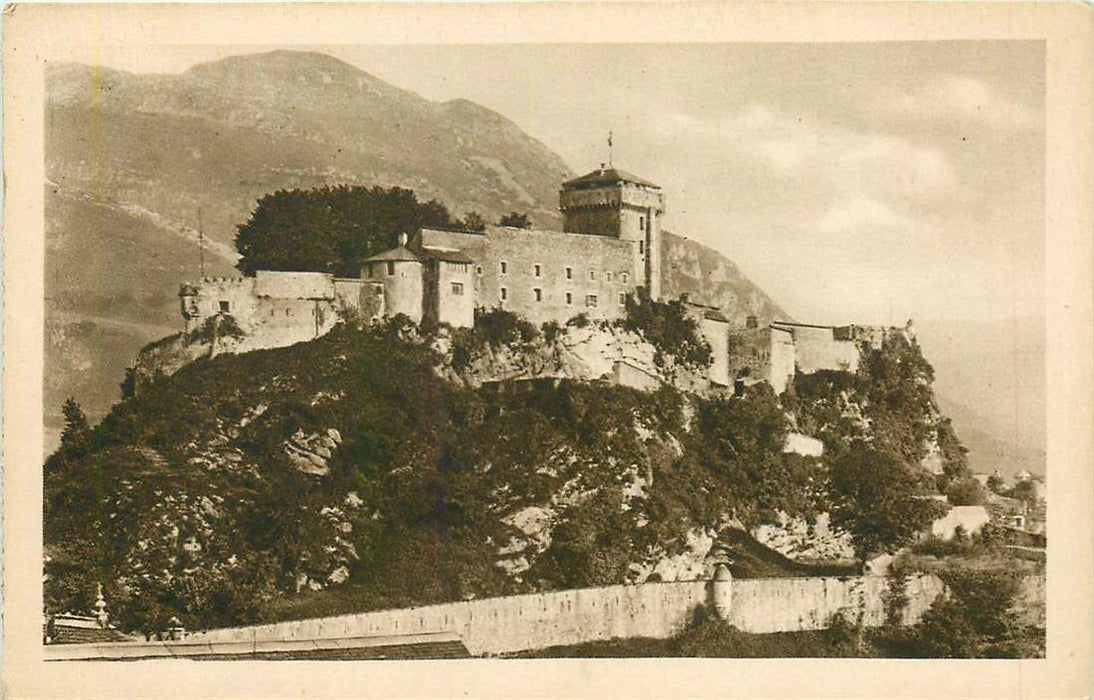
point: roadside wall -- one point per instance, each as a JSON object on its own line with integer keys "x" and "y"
{"x": 658, "y": 610}
{"x": 796, "y": 604}
{"x": 513, "y": 623}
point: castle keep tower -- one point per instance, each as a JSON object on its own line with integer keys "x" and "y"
{"x": 611, "y": 202}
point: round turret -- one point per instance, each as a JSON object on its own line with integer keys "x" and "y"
{"x": 722, "y": 592}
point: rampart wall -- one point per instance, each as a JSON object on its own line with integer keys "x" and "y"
{"x": 816, "y": 348}
{"x": 278, "y": 284}
{"x": 658, "y": 610}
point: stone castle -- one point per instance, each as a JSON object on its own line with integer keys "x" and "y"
{"x": 610, "y": 248}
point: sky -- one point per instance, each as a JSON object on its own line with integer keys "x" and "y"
{"x": 865, "y": 182}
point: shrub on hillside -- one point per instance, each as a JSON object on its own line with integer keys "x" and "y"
{"x": 879, "y": 499}
{"x": 965, "y": 492}
{"x": 973, "y": 619}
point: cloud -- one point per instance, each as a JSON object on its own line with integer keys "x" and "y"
{"x": 863, "y": 213}
{"x": 962, "y": 97}
{"x": 882, "y": 166}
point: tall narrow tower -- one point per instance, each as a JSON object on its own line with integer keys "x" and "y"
{"x": 611, "y": 202}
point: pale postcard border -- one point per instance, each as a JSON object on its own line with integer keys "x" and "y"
{"x": 34, "y": 33}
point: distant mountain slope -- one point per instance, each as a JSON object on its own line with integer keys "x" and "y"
{"x": 708, "y": 277}
{"x": 130, "y": 160}
{"x": 990, "y": 378}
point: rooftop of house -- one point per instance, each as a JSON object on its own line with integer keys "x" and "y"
{"x": 606, "y": 176}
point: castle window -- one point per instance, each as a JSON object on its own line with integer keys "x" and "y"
{"x": 642, "y": 247}
{"x": 622, "y": 298}
{"x": 608, "y": 276}
{"x": 457, "y": 289}
{"x": 590, "y": 300}
{"x": 504, "y": 267}
{"x": 569, "y": 299}
{"x": 225, "y": 306}
{"x": 390, "y": 268}
{"x": 504, "y": 293}
{"x": 478, "y": 270}
{"x": 623, "y": 276}
{"x": 592, "y": 275}
{"x": 539, "y": 293}
{"x": 569, "y": 273}
{"x": 641, "y": 223}
{"x": 537, "y": 270}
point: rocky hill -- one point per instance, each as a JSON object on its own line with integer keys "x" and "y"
{"x": 132, "y": 159}
{"x": 386, "y": 466}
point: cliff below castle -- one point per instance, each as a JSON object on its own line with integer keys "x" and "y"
{"x": 383, "y": 466}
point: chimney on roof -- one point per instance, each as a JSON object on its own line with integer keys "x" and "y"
{"x": 752, "y": 322}
{"x": 402, "y": 239}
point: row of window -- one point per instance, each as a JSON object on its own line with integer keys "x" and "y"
{"x": 591, "y": 300}
{"x": 537, "y": 271}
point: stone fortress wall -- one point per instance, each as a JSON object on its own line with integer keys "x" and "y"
{"x": 775, "y": 353}
{"x": 276, "y": 308}
{"x": 659, "y": 610}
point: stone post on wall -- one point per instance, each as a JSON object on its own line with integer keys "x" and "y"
{"x": 722, "y": 592}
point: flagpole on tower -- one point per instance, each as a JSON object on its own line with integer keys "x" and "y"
{"x": 609, "y": 148}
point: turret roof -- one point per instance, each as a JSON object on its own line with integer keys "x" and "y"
{"x": 397, "y": 254}
{"x": 605, "y": 176}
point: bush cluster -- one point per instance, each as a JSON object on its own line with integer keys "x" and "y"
{"x": 669, "y": 329}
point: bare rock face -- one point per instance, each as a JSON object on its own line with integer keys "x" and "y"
{"x": 796, "y": 539}
{"x": 309, "y": 453}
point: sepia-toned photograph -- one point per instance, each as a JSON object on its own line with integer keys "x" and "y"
{"x": 590, "y": 350}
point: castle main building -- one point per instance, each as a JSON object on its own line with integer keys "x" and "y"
{"x": 610, "y": 246}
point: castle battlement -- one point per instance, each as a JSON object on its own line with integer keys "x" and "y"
{"x": 226, "y": 280}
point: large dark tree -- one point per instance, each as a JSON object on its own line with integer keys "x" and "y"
{"x": 76, "y": 426}
{"x": 879, "y": 499}
{"x": 330, "y": 229}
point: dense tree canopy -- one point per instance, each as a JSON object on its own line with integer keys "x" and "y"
{"x": 879, "y": 499}
{"x": 331, "y": 229}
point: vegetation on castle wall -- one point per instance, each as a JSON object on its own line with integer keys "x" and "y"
{"x": 669, "y": 329}
{"x": 493, "y": 328}
{"x": 515, "y": 220}
{"x": 222, "y": 325}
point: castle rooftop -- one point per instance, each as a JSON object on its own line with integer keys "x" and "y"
{"x": 606, "y": 176}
